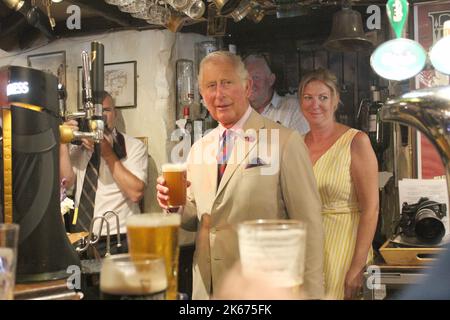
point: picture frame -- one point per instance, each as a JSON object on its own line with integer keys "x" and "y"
{"x": 120, "y": 82}
{"x": 51, "y": 62}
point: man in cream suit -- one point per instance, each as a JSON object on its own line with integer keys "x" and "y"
{"x": 268, "y": 175}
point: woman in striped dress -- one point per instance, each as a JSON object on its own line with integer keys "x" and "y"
{"x": 346, "y": 171}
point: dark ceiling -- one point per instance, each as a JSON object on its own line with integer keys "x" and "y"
{"x": 17, "y": 32}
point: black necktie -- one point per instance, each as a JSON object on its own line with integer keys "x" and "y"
{"x": 87, "y": 198}
{"x": 119, "y": 147}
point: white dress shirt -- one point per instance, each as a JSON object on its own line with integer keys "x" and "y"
{"x": 286, "y": 111}
{"x": 108, "y": 195}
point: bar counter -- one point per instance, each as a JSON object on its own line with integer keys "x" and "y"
{"x": 46, "y": 290}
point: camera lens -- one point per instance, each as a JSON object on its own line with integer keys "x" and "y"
{"x": 429, "y": 228}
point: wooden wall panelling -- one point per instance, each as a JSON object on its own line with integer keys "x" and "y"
{"x": 291, "y": 73}
{"x": 307, "y": 61}
{"x": 321, "y": 59}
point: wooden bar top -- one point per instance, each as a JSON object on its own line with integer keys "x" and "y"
{"x": 46, "y": 290}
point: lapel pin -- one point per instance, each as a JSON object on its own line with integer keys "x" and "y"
{"x": 249, "y": 138}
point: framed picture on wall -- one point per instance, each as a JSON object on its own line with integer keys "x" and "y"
{"x": 120, "y": 82}
{"x": 51, "y": 62}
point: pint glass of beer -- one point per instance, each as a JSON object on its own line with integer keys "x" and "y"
{"x": 157, "y": 233}
{"x": 137, "y": 277}
{"x": 176, "y": 181}
{"x": 274, "y": 249}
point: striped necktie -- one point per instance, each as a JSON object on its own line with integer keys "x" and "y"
{"x": 223, "y": 155}
{"x": 87, "y": 198}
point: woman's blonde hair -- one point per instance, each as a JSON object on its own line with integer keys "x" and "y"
{"x": 326, "y": 77}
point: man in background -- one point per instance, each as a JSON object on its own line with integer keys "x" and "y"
{"x": 122, "y": 175}
{"x": 264, "y": 99}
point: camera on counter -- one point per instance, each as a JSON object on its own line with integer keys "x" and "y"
{"x": 423, "y": 220}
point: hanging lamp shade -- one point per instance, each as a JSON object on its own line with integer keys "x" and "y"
{"x": 347, "y": 33}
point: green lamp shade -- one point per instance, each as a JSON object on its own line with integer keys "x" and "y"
{"x": 398, "y": 59}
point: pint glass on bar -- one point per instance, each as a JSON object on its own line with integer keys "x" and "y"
{"x": 9, "y": 238}
{"x": 176, "y": 181}
{"x": 157, "y": 233}
{"x": 275, "y": 249}
{"x": 138, "y": 277}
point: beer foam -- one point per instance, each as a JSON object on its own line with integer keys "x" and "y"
{"x": 153, "y": 220}
{"x": 173, "y": 167}
{"x": 129, "y": 281}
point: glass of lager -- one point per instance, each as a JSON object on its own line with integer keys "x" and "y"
{"x": 9, "y": 237}
{"x": 176, "y": 181}
{"x": 157, "y": 233}
{"x": 137, "y": 277}
{"x": 274, "y": 249}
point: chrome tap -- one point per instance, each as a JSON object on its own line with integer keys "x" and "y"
{"x": 427, "y": 110}
{"x": 119, "y": 244}
{"x": 93, "y": 239}
{"x": 92, "y": 103}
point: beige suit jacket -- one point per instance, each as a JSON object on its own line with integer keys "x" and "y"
{"x": 282, "y": 187}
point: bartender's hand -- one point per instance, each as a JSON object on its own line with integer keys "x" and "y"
{"x": 72, "y": 124}
{"x": 106, "y": 146}
{"x": 353, "y": 284}
{"x": 86, "y": 143}
{"x": 162, "y": 194}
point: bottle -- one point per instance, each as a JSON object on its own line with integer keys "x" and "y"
{"x": 189, "y": 126}
{"x": 379, "y": 131}
{"x": 185, "y": 83}
{"x": 199, "y": 127}
{"x": 62, "y": 95}
{"x": 202, "y": 49}
{"x": 209, "y": 122}
{"x": 373, "y": 128}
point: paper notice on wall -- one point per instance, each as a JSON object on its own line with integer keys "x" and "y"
{"x": 411, "y": 190}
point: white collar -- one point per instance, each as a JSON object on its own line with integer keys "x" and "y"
{"x": 238, "y": 126}
{"x": 275, "y": 100}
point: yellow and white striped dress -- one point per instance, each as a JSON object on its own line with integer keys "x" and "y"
{"x": 340, "y": 212}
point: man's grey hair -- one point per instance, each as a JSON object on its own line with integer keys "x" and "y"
{"x": 234, "y": 59}
{"x": 106, "y": 94}
{"x": 255, "y": 58}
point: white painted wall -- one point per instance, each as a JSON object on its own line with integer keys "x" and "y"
{"x": 156, "y": 53}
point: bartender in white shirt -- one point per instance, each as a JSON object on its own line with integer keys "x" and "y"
{"x": 264, "y": 99}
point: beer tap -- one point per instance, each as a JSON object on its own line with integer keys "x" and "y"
{"x": 62, "y": 95}
{"x": 92, "y": 98}
{"x": 87, "y": 90}
{"x": 427, "y": 110}
{"x": 116, "y": 215}
{"x": 93, "y": 239}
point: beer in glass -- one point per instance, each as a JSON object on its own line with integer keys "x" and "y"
{"x": 275, "y": 249}
{"x": 176, "y": 181}
{"x": 138, "y": 277}
{"x": 9, "y": 238}
{"x": 157, "y": 233}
